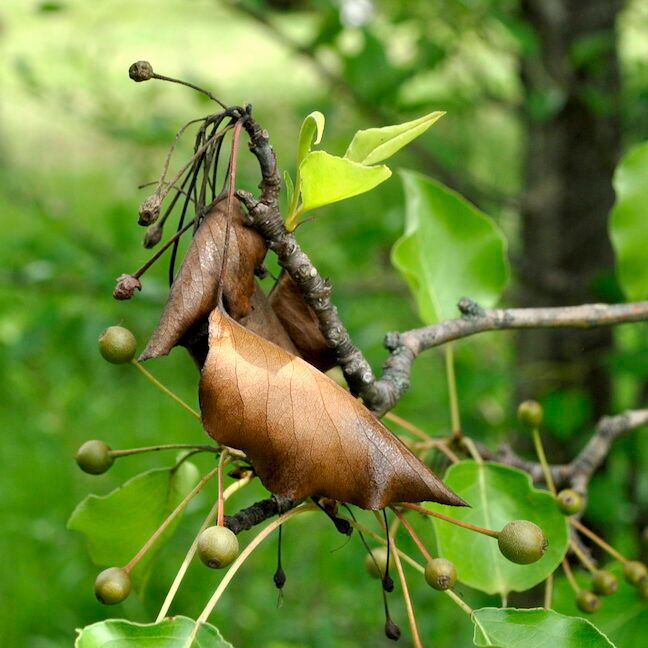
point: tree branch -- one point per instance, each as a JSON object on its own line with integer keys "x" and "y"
{"x": 265, "y": 217}
{"x": 406, "y": 346}
{"x": 258, "y": 513}
{"x": 579, "y": 471}
{"x": 608, "y": 430}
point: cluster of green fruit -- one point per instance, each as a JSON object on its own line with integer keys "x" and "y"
{"x": 520, "y": 541}
{"x": 217, "y": 546}
{"x": 572, "y": 503}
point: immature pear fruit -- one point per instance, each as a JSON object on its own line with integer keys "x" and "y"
{"x": 112, "y": 585}
{"x": 94, "y": 457}
{"x": 218, "y": 547}
{"x": 635, "y": 572}
{"x": 117, "y": 345}
{"x": 377, "y": 565}
{"x": 530, "y": 414}
{"x": 569, "y": 501}
{"x": 604, "y": 583}
{"x": 440, "y": 574}
{"x": 588, "y": 602}
{"x": 522, "y": 542}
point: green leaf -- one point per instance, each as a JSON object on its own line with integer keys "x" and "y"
{"x": 534, "y": 628}
{"x": 326, "y": 179}
{"x": 169, "y": 633}
{"x": 449, "y": 250}
{"x": 116, "y": 525}
{"x": 377, "y": 144}
{"x": 497, "y": 494}
{"x": 290, "y": 187}
{"x": 623, "y": 617}
{"x": 312, "y": 127}
{"x": 629, "y": 222}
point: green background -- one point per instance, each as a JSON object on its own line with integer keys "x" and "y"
{"x": 77, "y": 137}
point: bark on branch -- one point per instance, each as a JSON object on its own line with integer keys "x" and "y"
{"x": 406, "y": 346}
{"x": 578, "y": 472}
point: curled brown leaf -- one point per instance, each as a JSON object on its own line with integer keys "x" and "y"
{"x": 300, "y": 322}
{"x": 304, "y": 434}
{"x": 193, "y": 293}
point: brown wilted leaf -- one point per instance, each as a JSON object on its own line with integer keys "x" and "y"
{"x": 304, "y": 434}
{"x": 263, "y": 321}
{"x": 193, "y": 293}
{"x": 300, "y": 322}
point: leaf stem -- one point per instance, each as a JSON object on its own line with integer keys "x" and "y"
{"x": 413, "y": 534}
{"x": 452, "y": 391}
{"x": 598, "y": 540}
{"x": 469, "y": 444}
{"x": 580, "y": 554}
{"x": 406, "y": 596}
{"x": 173, "y": 590}
{"x": 548, "y": 592}
{"x": 570, "y": 576}
{"x": 438, "y": 443}
{"x": 447, "y": 518}
{"x": 222, "y": 460}
{"x": 167, "y": 446}
{"x": 231, "y": 572}
{"x": 166, "y": 390}
{"x": 162, "y": 77}
{"x": 546, "y": 470}
{"x": 139, "y": 272}
{"x": 408, "y": 559}
{"x": 162, "y": 528}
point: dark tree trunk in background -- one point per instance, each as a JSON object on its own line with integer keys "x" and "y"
{"x": 574, "y": 136}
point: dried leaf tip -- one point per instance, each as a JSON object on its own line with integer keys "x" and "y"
{"x": 140, "y": 71}
{"x": 126, "y": 286}
{"x": 149, "y": 210}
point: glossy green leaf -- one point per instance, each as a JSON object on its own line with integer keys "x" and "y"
{"x": 497, "y": 494}
{"x": 290, "y": 187}
{"x": 312, "y": 127}
{"x": 449, "y": 250}
{"x": 623, "y": 617}
{"x": 534, "y": 628}
{"x": 326, "y": 179}
{"x": 629, "y": 222}
{"x": 116, "y": 525}
{"x": 169, "y": 633}
{"x": 377, "y": 144}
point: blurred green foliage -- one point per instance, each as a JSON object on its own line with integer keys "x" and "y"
{"x": 76, "y": 139}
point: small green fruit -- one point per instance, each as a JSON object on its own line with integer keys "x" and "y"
{"x": 588, "y": 602}
{"x": 569, "y": 501}
{"x": 440, "y": 574}
{"x": 94, "y": 457}
{"x": 112, "y": 586}
{"x": 522, "y": 542}
{"x": 604, "y": 583}
{"x": 530, "y": 414}
{"x": 635, "y": 572}
{"x": 117, "y": 345}
{"x": 377, "y": 565}
{"x": 217, "y": 547}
